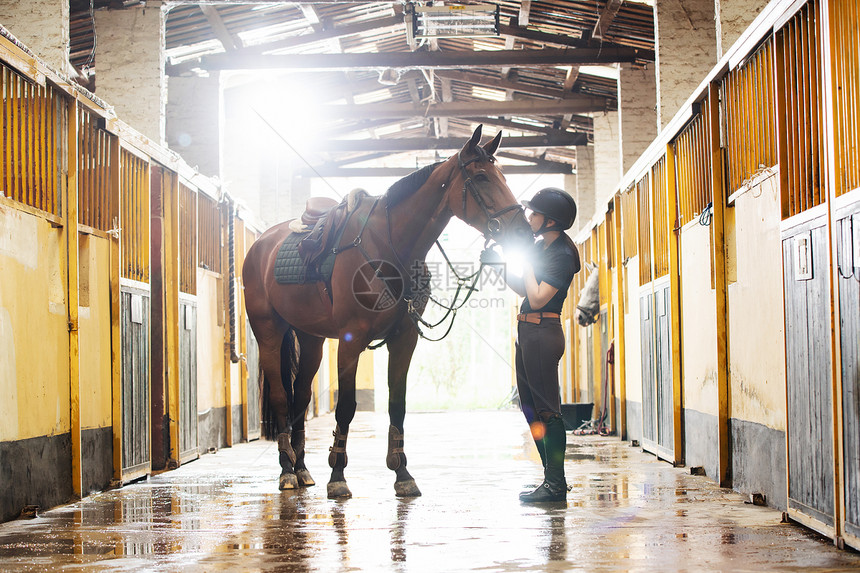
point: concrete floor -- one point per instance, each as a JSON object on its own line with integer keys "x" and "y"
{"x": 627, "y": 512}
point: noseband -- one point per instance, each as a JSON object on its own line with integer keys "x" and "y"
{"x": 494, "y": 225}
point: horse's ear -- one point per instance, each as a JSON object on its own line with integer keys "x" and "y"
{"x": 476, "y": 138}
{"x": 492, "y": 146}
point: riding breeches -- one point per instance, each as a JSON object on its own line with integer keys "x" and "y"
{"x": 538, "y": 350}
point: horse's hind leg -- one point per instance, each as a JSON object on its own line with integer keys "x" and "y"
{"x": 400, "y": 349}
{"x": 309, "y": 363}
{"x": 275, "y": 347}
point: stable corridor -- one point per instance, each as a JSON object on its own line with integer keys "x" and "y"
{"x": 627, "y": 511}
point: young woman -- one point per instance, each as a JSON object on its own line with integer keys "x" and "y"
{"x": 548, "y": 271}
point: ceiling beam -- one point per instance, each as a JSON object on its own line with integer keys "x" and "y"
{"x": 334, "y": 171}
{"x": 413, "y": 60}
{"x": 523, "y": 33}
{"x": 584, "y": 104}
{"x": 604, "y": 21}
{"x": 404, "y": 144}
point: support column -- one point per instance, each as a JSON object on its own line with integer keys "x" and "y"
{"x": 637, "y": 107}
{"x": 686, "y": 49}
{"x": 130, "y": 66}
{"x": 193, "y": 121}
{"x": 733, "y": 18}
{"x": 43, "y": 26}
{"x": 607, "y": 156}
{"x": 584, "y": 194}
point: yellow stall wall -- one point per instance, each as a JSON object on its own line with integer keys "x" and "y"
{"x": 755, "y": 302}
{"x": 699, "y": 321}
{"x": 34, "y": 378}
{"x": 94, "y": 331}
{"x": 211, "y": 391}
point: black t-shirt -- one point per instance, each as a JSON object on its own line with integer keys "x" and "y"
{"x": 554, "y": 265}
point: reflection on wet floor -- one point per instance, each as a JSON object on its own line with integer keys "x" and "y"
{"x": 223, "y": 512}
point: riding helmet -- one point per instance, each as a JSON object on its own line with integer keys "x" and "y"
{"x": 554, "y": 204}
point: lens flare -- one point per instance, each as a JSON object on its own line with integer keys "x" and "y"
{"x": 347, "y": 337}
{"x": 515, "y": 260}
{"x": 538, "y": 430}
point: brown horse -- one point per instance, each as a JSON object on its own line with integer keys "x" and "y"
{"x": 370, "y": 296}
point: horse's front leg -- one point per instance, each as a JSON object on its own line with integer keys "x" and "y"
{"x": 400, "y": 349}
{"x": 348, "y": 350}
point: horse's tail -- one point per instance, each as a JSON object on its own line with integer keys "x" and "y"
{"x": 289, "y": 367}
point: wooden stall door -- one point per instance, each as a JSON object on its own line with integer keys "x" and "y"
{"x": 606, "y": 402}
{"x": 188, "y": 378}
{"x": 662, "y": 351}
{"x": 808, "y": 371}
{"x": 252, "y": 356}
{"x": 649, "y": 406}
{"x": 848, "y": 260}
{"x": 135, "y": 310}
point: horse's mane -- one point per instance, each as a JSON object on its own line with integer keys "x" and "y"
{"x": 409, "y": 184}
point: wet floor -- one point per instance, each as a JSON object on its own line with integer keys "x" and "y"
{"x": 627, "y": 511}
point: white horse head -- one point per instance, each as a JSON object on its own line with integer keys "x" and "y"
{"x": 588, "y": 307}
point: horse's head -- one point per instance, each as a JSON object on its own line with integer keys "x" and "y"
{"x": 588, "y": 306}
{"x": 479, "y": 195}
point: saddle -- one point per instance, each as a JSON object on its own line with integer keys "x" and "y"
{"x": 315, "y": 209}
{"x": 328, "y": 221}
{"x": 308, "y": 253}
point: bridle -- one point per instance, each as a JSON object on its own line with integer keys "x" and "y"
{"x": 494, "y": 224}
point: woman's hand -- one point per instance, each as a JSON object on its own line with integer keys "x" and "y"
{"x": 538, "y": 293}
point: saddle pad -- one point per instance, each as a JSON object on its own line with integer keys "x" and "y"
{"x": 290, "y": 269}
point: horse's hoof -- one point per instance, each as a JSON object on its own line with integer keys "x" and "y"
{"x": 338, "y": 490}
{"x": 406, "y": 488}
{"x": 288, "y": 481}
{"x": 304, "y": 477}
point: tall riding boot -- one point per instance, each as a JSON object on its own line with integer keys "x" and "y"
{"x": 541, "y": 448}
{"x": 554, "y": 486}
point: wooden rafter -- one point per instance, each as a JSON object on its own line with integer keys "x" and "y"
{"x": 525, "y": 8}
{"x": 231, "y": 42}
{"x": 585, "y": 123}
{"x": 380, "y": 24}
{"x": 607, "y": 15}
{"x": 537, "y": 161}
{"x": 501, "y": 83}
